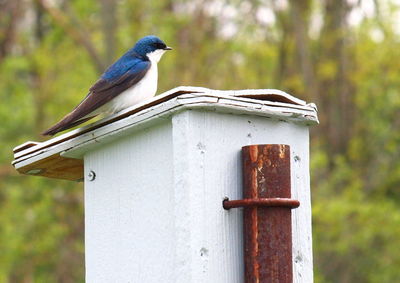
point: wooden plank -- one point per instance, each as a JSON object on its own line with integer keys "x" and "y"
{"x": 55, "y": 166}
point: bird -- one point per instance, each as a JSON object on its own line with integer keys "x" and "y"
{"x": 128, "y": 81}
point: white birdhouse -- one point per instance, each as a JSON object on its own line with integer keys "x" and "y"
{"x": 155, "y": 176}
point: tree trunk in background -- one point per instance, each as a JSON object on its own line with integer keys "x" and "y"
{"x": 335, "y": 87}
{"x": 299, "y": 13}
{"x": 193, "y": 37}
{"x": 283, "y": 47}
{"x": 10, "y": 12}
{"x": 109, "y": 26}
{"x": 39, "y": 96}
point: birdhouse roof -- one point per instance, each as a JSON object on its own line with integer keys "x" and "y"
{"x": 61, "y": 156}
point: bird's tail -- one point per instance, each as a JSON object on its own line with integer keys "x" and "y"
{"x": 65, "y": 124}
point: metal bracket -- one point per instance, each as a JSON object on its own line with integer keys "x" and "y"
{"x": 261, "y": 202}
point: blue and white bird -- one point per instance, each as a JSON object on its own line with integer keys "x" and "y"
{"x": 130, "y": 80}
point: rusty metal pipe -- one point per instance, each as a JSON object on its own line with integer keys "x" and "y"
{"x": 267, "y": 229}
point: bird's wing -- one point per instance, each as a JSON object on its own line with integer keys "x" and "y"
{"x": 106, "y": 88}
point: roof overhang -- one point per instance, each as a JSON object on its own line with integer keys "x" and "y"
{"x": 61, "y": 157}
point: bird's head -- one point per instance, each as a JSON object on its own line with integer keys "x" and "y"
{"x": 152, "y": 47}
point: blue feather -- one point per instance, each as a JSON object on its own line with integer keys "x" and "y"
{"x": 130, "y": 62}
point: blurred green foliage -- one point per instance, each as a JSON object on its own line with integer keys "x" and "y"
{"x": 342, "y": 55}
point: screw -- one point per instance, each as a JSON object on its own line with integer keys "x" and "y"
{"x": 91, "y": 175}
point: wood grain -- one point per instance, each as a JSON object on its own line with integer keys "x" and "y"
{"x": 57, "y": 167}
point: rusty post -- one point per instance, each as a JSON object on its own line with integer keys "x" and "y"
{"x": 267, "y": 213}
{"x": 267, "y": 229}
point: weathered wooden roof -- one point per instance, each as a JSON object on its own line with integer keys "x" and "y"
{"x": 61, "y": 157}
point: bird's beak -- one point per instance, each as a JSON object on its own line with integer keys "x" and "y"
{"x": 167, "y": 48}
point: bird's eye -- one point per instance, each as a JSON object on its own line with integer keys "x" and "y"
{"x": 159, "y": 45}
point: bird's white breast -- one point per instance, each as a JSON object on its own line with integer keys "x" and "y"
{"x": 144, "y": 89}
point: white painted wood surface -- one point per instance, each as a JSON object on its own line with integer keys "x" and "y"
{"x": 129, "y": 209}
{"x": 154, "y": 212}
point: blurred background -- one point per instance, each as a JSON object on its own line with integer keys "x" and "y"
{"x": 343, "y": 55}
